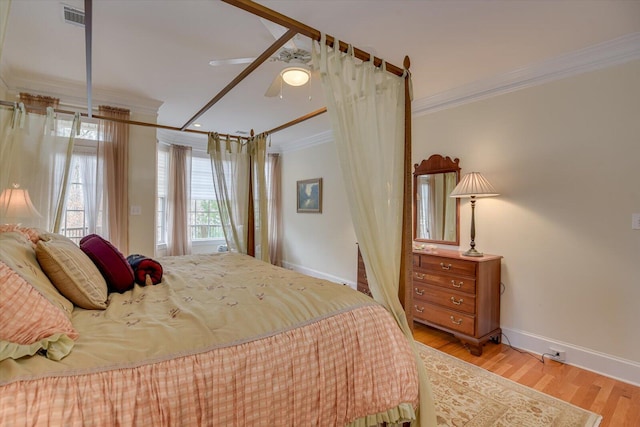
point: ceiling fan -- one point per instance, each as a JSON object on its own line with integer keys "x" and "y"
{"x": 295, "y": 54}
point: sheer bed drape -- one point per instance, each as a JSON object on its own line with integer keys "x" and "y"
{"x": 33, "y": 156}
{"x": 366, "y": 110}
{"x": 235, "y": 164}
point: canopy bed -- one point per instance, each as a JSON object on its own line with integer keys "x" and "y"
{"x": 227, "y": 339}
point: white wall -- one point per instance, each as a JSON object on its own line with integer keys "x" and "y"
{"x": 142, "y": 185}
{"x": 565, "y": 157}
{"x": 321, "y": 245}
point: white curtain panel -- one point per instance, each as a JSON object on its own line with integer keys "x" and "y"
{"x": 35, "y": 158}
{"x": 90, "y": 168}
{"x": 366, "y": 110}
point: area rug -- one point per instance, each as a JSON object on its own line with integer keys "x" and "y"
{"x": 469, "y": 396}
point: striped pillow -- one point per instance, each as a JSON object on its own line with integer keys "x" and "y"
{"x": 73, "y": 273}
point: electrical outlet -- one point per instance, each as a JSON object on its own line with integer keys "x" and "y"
{"x": 557, "y": 354}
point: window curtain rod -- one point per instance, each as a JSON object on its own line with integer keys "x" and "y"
{"x": 177, "y": 129}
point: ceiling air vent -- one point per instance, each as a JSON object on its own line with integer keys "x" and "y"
{"x": 73, "y": 15}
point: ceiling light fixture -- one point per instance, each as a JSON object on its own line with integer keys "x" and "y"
{"x": 295, "y": 76}
{"x": 197, "y": 125}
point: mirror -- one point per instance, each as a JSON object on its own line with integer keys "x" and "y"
{"x": 436, "y": 216}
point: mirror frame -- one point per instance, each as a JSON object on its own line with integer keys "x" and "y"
{"x": 436, "y": 164}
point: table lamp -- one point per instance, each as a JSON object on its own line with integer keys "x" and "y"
{"x": 473, "y": 185}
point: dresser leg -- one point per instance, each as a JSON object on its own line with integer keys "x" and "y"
{"x": 476, "y": 350}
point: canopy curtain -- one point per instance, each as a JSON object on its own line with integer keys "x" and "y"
{"x": 178, "y": 198}
{"x": 114, "y": 152}
{"x": 34, "y": 157}
{"x": 274, "y": 196}
{"x": 366, "y": 110}
{"x": 5, "y": 6}
{"x": 239, "y": 182}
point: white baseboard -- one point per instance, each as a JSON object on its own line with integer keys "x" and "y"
{"x": 605, "y": 364}
{"x": 318, "y": 274}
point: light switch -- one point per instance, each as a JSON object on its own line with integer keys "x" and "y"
{"x": 635, "y": 221}
{"x": 136, "y": 210}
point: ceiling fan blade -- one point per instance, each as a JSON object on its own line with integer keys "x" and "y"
{"x": 275, "y": 88}
{"x": 278, "y": 31}
{"x": 231, "y": 61}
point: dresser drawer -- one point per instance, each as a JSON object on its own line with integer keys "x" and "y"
{"x": 449, "y": 319}
{"x": 457, "y": 283}
{"x": 445, "y": 298}
{"x": 447, "y": 265}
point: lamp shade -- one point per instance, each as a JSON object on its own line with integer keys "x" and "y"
{"x": 15, "y": 203}
{"x": 473, "y": 185}
{"x": 295, "y": 76}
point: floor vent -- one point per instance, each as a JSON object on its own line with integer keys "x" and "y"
{"x": 72, "y": 15}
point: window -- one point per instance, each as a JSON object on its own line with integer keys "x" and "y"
{"x": 204, "y": 217}
{"x": 75, "y": 223}
{"x": 161, "y": 205}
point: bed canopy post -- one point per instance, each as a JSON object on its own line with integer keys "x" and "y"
{"x": 251, "y": 236}
{"x": 406, "y": 259}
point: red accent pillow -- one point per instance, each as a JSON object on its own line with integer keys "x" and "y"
{"x": 110, "y": 261}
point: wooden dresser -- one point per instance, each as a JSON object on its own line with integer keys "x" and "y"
{"x": 459, "y": 295}
{"x": 363, "y": 284}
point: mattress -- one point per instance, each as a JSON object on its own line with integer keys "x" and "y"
{"x": 224, "y": 339}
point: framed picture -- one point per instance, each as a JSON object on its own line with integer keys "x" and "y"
{"x": 309, "y": 198}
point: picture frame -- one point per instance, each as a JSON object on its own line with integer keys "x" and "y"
{"x": 309, "y": 196}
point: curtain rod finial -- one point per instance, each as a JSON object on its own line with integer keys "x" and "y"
{"x": 407, "y": 62}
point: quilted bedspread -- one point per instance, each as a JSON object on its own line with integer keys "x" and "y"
{"x": 223, "y": 340}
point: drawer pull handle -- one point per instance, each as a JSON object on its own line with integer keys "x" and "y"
{"x": 458, "y": 322}
{"x": 456, "y": 285}
{"x": 445, "y": 267}
{"x": 419, "y": 276}
{"x": 419, "y": 309}
{"x": 458, "y": 302}
{"x": 419, "y": 291}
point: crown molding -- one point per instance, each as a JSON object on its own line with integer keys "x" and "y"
{"x": 602, "y": 55}
{"x": 308, "y": 142}
{"x": 196, "y": 141}
{"x": 74, "y": 94}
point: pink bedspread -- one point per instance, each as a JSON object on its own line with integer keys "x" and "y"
{"x": 330, "y": 370}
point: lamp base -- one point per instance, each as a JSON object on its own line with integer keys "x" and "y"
{"x": 473, "y": 252}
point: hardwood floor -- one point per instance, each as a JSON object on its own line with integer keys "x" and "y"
{"x": 616, "y": 401}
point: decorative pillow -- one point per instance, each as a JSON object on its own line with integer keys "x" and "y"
{"x": 47, "y": 236}
{"x": 31, "y": 233}
{"x": 72, "y": 272}
{"x": 18, "y": 253}
{"x": 29, "y": 321}
{"x": 110, "y": 261}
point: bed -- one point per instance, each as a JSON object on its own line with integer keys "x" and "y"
{"x": 223, "y": 339}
